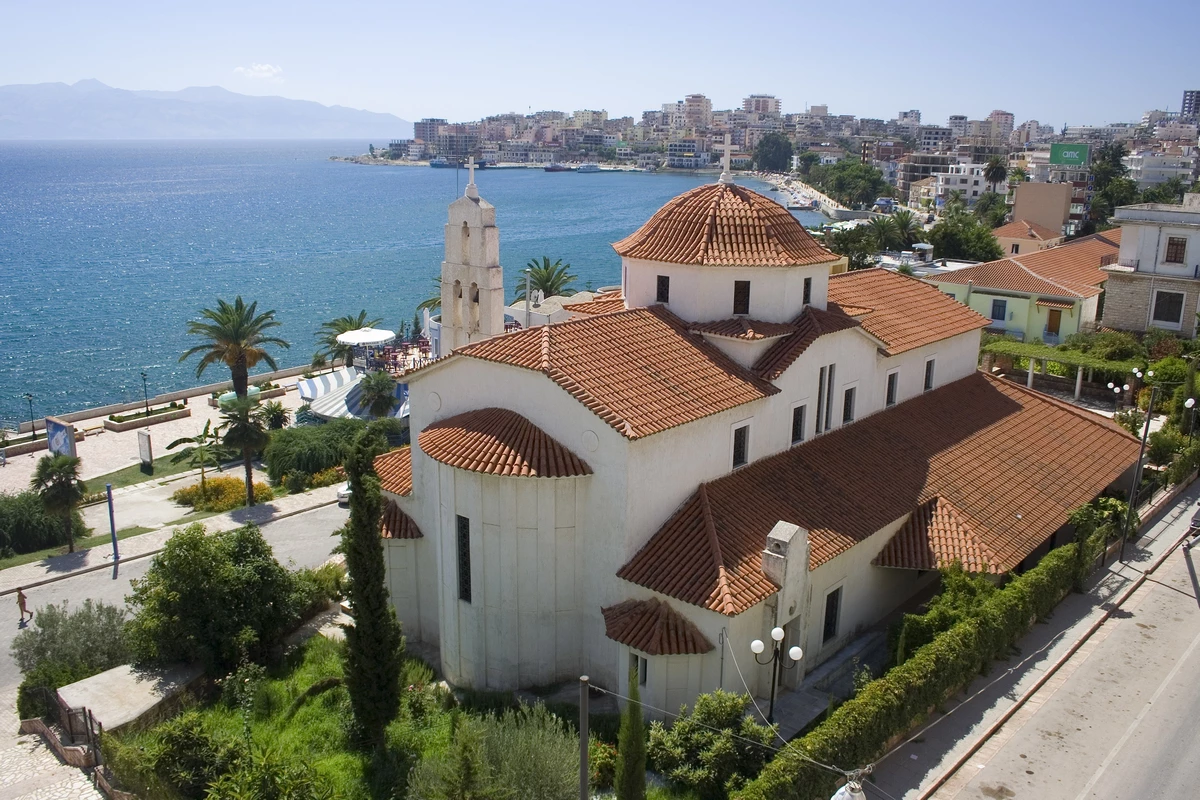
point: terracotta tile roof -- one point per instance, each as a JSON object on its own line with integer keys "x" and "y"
{"x": 496, "y": 441}
{"x": 724, "y": 225}
{"x": 1011, "y": 275}
{"x": 395, "y": 470}
{"x": 937, "y": 535}
{"x": 742, "y": 328}
{"x": 655, "y": 628}
{"x": 906, "y": 313}
{"x": 600, "y": 304}
{"x": 1069, "y": 270}
{"x": 1054, "y": 304}
{"x": 639, "y": 370}
{"x": 1023, "y": 229}
{"x": 812, "y": 324}
{"x": 398, "y": 525}
{"x": 1012, "y": 462}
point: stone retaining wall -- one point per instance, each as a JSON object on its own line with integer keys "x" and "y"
{"x": 145, "y": 422}
{"x": 74, "y": 755}
{"x": 31, "y": 447}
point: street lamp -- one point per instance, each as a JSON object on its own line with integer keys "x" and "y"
{"x": 776, "y": 661}
{"x": 32, "y": 429}
{"x": 1137, "y": 469}
{"x": 1190, "y": 405}
{"x": 145, "y": 394}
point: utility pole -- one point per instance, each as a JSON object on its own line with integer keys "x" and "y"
{"x": 1137, "y": 474}
{"x": 583, "y": 737}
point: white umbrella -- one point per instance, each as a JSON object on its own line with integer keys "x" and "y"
{"x": 366, "y": 337}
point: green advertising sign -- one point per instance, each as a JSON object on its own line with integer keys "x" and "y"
{"x": 1070, "y": 155}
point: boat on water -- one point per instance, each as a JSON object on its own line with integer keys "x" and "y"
{"x": 589, "y": 166}
{"x": 441, "y": 163}
{"x": 558, "y": 168}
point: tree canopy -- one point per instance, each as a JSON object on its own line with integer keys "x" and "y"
{"x": 551, "y": 278}
{"x": 961, "y": 235}
{"x": 773, "y": 153}
{"x": 850, "y": 182}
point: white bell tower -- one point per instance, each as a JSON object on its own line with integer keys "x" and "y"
{"x": 472, "y": 278}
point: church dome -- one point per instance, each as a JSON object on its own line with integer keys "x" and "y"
{"x": 724, "y": 225}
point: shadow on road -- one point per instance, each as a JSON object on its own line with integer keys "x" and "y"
{"x": 68, "y": 562}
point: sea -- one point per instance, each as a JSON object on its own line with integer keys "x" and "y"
{"x": 108, "y": 249}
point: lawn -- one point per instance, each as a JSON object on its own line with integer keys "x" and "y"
{"x": 86, "y": 543}
{"x": 163, "y": 468}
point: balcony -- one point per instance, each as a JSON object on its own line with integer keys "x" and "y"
{"x": 1131, "y": 263}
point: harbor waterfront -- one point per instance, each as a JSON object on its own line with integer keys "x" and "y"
{"x": 108, "y": 248}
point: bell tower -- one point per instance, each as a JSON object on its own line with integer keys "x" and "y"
{"x": 472, "y": 278}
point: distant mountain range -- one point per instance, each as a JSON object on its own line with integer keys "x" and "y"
{"x": 89, "y": 109}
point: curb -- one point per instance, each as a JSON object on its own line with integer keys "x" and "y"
{"x": 148, "y": 553}
{"x": 995, "y": 727}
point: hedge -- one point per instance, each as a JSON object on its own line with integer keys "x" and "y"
{"x": 859, "y": 730}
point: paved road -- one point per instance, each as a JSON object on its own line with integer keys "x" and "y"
{"x": 1122, "y": 725}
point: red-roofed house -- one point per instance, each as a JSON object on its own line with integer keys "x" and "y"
{"x": 736, "y": 440}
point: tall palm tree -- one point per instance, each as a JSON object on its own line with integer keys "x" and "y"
{"x": 244, "y": 428}
{"x": 329, "y": 331}
{"x": 203, "y": 450}
{"x": 236, "y": 335}
{"x": 378, "y": 393}
{"x": 908, "y": 228}
{"x": 995, "y": 171}
{"x": 551, "y": 278}
{"x": 56, "y": 480}
{"x": 883, "y": 233}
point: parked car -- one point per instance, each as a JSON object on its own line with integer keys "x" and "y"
{"x": 343, "y": 493}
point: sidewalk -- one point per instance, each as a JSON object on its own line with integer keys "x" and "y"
{"x": 966, "y": 720}
{"x": 64, "y": 566}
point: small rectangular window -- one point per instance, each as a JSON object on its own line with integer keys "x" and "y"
{"x": 1168, "y": 307}
{"x": 999, "y": 310}
{"x": 663, "y": 293}
{"x": 929, "y": 374}
{"x": 798, "y": 414}
{"x": 848, "y": 405}
{"x": 807, "y": 291}
{"x": 833, "y": 608}
{"x": 1016, "y": 248}
{"x": 464, "y": 558}
{"x": 638, "y": 668}
{"x": 741, "y": 297}
{"x": 1176, "y": 249}
{"x": 893, "y": 383}
{"x": 741, "y": 442}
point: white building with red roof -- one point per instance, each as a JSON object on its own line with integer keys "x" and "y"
{"x": 738, "y": 441}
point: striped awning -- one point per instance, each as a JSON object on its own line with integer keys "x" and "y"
{"x": 1055, "y": 304}
{"x": 312, "y": 388}
{"x": 346, "y": 401}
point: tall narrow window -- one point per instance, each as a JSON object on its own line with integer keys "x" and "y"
{"x": 820, "y": 400}
{"x": 464, "y": 558}
{"x": 848, "y": 405}
{"x": 741, "y": 444}
{"x": 798, "y": 424}
{"x": 807, "y": 291}
{"x": 893, "y": 382}
{"x": 829, "y": 397}
{"x": 741, "y": 297}
{"x": 663, "y": 293}
{"x": 833, "y": 608}
{"x": 929, "y": 374}
{"x": 999, "y": 310}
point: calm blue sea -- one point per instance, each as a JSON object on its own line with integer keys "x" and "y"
{"x": 107, "y": 249}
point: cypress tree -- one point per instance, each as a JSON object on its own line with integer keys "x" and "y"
{"x": 373, "y": 642}
{"x": 630, "y": 782}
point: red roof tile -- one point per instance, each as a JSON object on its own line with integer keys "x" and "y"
{"x": 395, "y": 471}
{"x": 742, "y": 328}
{"x": 1069, "y": 270}
{"x": 937, "y": 535}
{"x": 812, "y": 324}
{"x": 725, "y": 225}
{"x": 496, "y": 441}
{"x": 398, "y": 525}
{"x": 906, "y": 313}
{"x": 1023, "y": 229}
{"x": 1012, "y": 462}
{"x": 639, "y": 370}
{"x": 653, "y": 627}
{"x": 600, "y": 304}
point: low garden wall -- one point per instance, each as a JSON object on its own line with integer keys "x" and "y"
{"x": 31, "y": 447}
{"x": 267, "y": 395}
{"x": 74, "y": 755}
{"x": 146, "y": 422}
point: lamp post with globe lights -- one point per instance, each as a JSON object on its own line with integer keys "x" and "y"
{"x": 1190, "y": 405}
{"x": 1137, "y": 468}
{"x": 776, "y": 660}
{"x": 1117, "y": 395}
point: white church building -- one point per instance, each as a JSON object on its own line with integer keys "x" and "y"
{"x": 737, "y": 440}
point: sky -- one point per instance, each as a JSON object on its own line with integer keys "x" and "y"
{"x": 1059, "y": 63}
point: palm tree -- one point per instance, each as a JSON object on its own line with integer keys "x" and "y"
{"x": 203, "y": 450}
{"x": 907, "y": 227}
{"x": 883, "y": 233}
{"x": 378, "y": 393}
{"x": 56, "y": 480}
{"x": 551, "y": 279}
{"x": 1018, "y": 175}
{"x": 244, "y": 428}
{"x": 236, "y": 335}
{"x": 995, "y": 171}
{"x": 954, "y": 203}
{"x": 434, "y": 301}
{"x": 276, "y": 415}
{"x": 329, "y": 331}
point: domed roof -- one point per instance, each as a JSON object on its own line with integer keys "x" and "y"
{"x": 724, "y": 225}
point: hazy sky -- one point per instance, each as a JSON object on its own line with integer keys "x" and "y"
{"x": 1077, "y": 63}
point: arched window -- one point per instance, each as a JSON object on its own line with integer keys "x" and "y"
{"x": 464, "y": 256}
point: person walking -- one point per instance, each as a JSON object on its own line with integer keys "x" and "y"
{"x": 21, "y": 604}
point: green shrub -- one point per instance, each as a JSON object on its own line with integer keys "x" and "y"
{"x": 1132, "y": 420}
{"x": 296, "y": 482}
{"x": 317, "y": 588}
{"x": 263, "y": 775}
{"x": 25, "y": 526}
{"x": 602, "y": 764}
{"x": 221, "y": 494}
{"x": 33, "y": 698}
{"x": 214, "y": 598}
{"x": 484, "y": 701}
{"x": 310, "y": 449}
{"x": 959, "y": 598}
{"x": 605, "y": 726}
{"x": 189, "y": 757}
{"x": 1162, "y": 445}
{"x": 327, "y": 477}
{"x": 693, "y": 755}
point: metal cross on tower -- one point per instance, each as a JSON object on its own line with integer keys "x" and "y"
{"x": 726, "y": 176}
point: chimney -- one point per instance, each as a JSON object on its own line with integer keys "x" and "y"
{"x": 785, "y": 563}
